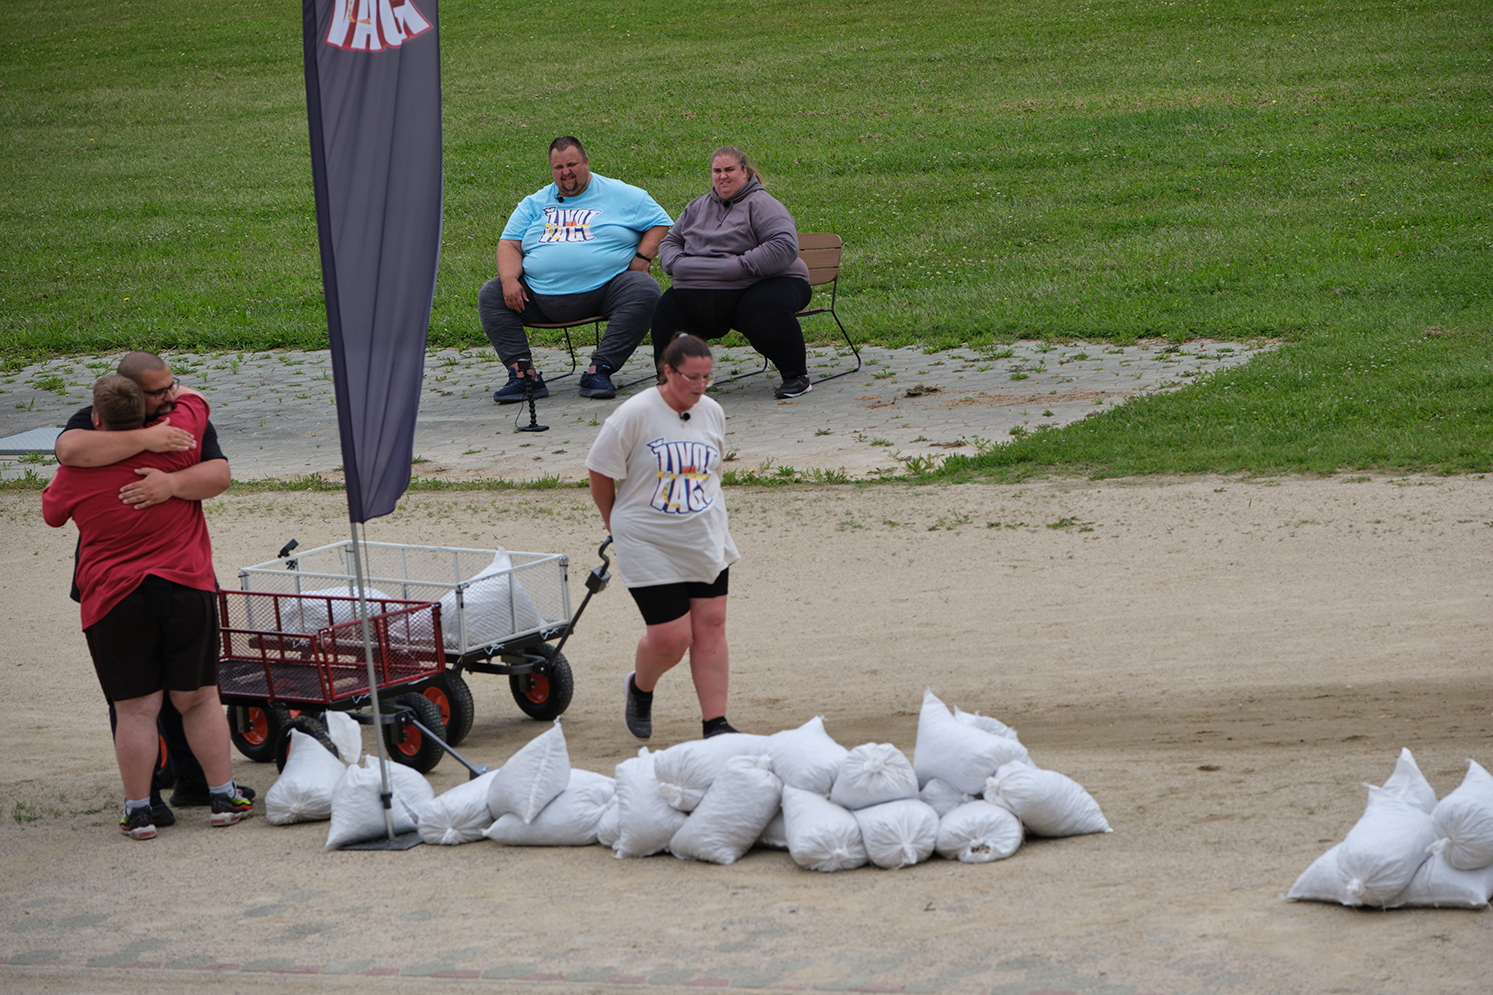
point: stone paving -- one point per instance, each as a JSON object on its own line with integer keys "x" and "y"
{"x": 276, "y": 416}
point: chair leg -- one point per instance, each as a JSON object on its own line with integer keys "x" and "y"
{"x": 848, "y": 342}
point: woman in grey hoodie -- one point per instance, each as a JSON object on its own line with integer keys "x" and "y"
{"x": 733, "y": 257}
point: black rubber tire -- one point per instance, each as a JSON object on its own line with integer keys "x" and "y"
{"x": 413, "y": 748}
{"x": 255, "y": 729}
{"x": 311, "y": 726}
{"x": 454, "y": 699}
{"x": 545, "y": 693}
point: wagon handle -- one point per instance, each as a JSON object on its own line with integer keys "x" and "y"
{"x": 596, "y": 580}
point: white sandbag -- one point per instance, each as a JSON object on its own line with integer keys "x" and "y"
{"x": 459, "y": 815}
{"x": 993, "y": 726}
{"x": 303, "y": 791}
{"x": 822, "y": 836}
{"x": 1463, "y": 821}
{"x": 806, "y": 757}
{"x": 978, "y": 832}
{"x": 1410, "y": 784}
{"x": 570, "y": 820}
{"x": 1046, "y": 802}
{"x": 959, "y": 754}
{"x": 645, "y": 821}
{"x": 733, "y": 813}
{"x": 346, "y": 734}
{"x": 310, "y": 614}
{"x": 358, "y": 812}
{"x": 873, "y": 773}
{"x": 942, "y": 797}
{"x": 494, "y": 607}
{"x": 608, "y": 827}
{"x": 899, "y": 833}
{"x": 1384, "y": 849}
{"x": 686, "y": 771}
{"x": 1437, "y": 884}
{"x": 1322, "y": 881}
{"x": 532, "y": 777}
{"x": 775, "y": 833}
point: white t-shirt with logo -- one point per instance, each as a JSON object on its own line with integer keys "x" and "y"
{"x": 669, "y": 520}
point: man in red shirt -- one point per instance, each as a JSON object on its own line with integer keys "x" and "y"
{"x": 149, "y": 612}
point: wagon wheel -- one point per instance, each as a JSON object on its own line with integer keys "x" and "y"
{"x": 255, "y": 729}
{"x": 313, "y": 727}
{"x": 413, "y": 748}
{"x": 452, "y": 696}
{"x": 544, "y": 693}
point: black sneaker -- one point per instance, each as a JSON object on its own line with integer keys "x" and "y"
{"x": 160, "y": 814}
{"x": 138, "y": 826}
{"x": 599, "y": 384}
{"x": 228, "y": 809}
{"x": 724, "y": 729}
{"x": 792, "y": 387}
{"x": 637, "y": 714}
{"x": 191, "y": 790}
{"x": 513, "y": 391}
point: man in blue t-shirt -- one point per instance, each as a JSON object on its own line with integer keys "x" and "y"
{"x": 581, "y": 246}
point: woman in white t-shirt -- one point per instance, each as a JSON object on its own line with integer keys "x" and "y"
{"x": 656, "y": 478}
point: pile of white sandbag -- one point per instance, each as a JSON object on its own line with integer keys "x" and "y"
{"x": 1408, "y": 849}
{"x": 972, "y": 794}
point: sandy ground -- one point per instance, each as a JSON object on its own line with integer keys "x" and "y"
{"x": 1220, "y": 662}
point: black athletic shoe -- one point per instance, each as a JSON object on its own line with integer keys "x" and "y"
{"x": 637, "y": 713}
{"x": 513, "y": 391}
{"x": 228, "y": 809}
{"x": 792, "y": 387}
{"x": 191, "y": 790}
{"x": 160, "y": 814}
{"x": 724, "y": 728}
{"x": 138, "y": 826}
{"x": 599, "y": 384}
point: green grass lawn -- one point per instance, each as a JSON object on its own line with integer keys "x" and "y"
{"x": 1319, "y": 174}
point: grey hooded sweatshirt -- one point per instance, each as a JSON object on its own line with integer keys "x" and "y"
{"x": 730, "y": 244}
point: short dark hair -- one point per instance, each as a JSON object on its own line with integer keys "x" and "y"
{"x": 136, "y": 364}
{"x": 682, "y": 346}
{"x": 567, "y": 142}
{"x": 119, "y": 402}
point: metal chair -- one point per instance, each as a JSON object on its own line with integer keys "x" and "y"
{"x": 821, "y": 252}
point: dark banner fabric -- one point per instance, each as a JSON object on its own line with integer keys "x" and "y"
{"x": 373, "y": 102}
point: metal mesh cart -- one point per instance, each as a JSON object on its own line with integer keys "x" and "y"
{"x": 499, "y": 610}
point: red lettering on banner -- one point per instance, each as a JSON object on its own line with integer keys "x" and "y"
{"x": 374, "y": 25}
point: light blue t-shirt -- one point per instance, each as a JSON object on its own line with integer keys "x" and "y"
{"x": 580, "y": 243}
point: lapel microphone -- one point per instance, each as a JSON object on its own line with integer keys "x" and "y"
{"x": 684, "y": 416}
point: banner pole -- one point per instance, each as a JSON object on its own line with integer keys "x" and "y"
{"x": 385, "y": 794}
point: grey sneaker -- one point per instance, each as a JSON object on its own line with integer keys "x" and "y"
{"x": 792, "y": 387}
{"x": 599, "y": 384}
{"x": 637, "y": 714}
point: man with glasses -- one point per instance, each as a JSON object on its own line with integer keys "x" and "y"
{"x": 207, "y": 476}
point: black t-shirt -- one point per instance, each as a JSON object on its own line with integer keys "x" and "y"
{"x": 210, "y": 448}
{"x": 84, "y": 419}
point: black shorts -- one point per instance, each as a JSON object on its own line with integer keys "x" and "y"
{"x": 665, "y": 602}
{"x": 161, "y": 636}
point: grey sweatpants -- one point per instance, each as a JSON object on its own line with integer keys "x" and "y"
{"x": 626, "y": 301}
